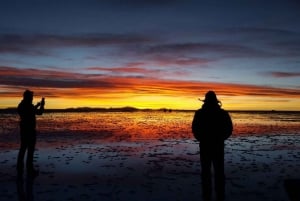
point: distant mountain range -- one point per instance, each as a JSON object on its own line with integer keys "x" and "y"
{"x": 89, "y": 109}
{"x": 130, "y": 109}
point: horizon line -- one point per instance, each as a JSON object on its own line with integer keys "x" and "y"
{"x": 132, "y": 109}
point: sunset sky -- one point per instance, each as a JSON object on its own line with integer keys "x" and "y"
{"x": 151, "y": 53}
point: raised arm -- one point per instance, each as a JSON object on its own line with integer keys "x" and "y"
{"x": 39, "y": 107}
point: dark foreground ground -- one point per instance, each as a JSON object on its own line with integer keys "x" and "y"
{"x": 257, "y": 168}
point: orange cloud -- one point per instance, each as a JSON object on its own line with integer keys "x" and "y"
{"x": 124, "y": 90}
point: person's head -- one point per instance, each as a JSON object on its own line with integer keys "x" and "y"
{"x": 28, "y": 96}
{"x": 211, "y": 99}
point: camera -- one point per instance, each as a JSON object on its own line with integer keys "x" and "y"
{"x": 43, "y": 101}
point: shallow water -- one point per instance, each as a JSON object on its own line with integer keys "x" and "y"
{"x": 153, "y": 124}
{"x": 129, "y": 156}
{"x": 147, "y": 125}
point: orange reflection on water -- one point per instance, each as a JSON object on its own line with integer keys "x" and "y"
{"x": 266, "y": 123}
{"x": 119, "y": 125}
{"x": 160, "y": 125}
{"x": 133, "y": 126}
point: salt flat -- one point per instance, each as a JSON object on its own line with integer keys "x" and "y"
{"x": 256, "y": 168}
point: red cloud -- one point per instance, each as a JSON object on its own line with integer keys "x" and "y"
{"x": 76, "y": 85}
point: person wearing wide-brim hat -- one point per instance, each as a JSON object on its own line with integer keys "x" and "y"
{"x": 211, "y": 98}
{"x": 211, "y": 126}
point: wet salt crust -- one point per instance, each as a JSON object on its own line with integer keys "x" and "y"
{"x": 149, "y": 156}
{"x": 256, "y": 168}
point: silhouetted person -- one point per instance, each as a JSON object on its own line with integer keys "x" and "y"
{"x": 211, "y": 126}
{"x": 27, "y": 112}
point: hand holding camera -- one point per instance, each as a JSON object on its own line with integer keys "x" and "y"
{"x": 43, "y": 102}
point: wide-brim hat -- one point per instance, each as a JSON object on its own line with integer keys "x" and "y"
{"x": 210, "y": 97}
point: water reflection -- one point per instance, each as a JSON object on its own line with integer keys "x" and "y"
{"x": 146, "y": 125}
{"x": 25, "y": 189}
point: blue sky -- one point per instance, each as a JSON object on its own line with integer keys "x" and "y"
{"x": 74, "y": 44}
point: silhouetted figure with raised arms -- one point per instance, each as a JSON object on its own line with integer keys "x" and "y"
{"x": 211, "y": 126}
{"x": 27, "y": 112}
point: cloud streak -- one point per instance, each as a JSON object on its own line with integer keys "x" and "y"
{"x": 76, "y": 85}
{"x": 140, "y": 44}
{"x": 16, "y": 43}
{"x": 183, "y": 48}
{"x": 140, "y": 69}
{"x": 281, "y": 74}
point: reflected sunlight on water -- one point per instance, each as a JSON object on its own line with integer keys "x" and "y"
{"x": 149, "y": 125}
{"x": 266, "y": 123}
{"x": 121, "y": 125}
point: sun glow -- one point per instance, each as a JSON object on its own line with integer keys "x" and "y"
{"x": 155, "y": 94}
{"x": 160, "y": 101}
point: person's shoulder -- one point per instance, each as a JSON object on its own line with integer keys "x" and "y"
{"x": 224, "y": 113}
{"x": 223, "y": 110}
{"x": 21, "y": 103}
{"x": 198, "y": 112}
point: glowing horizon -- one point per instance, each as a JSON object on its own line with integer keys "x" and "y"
{"x": 181, "y": 104}
{"x": 141, "y": 93}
